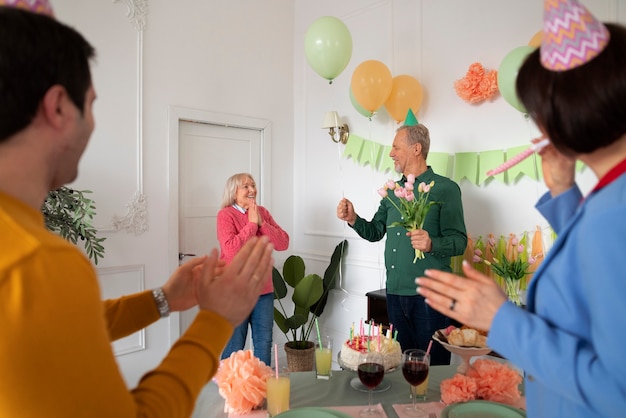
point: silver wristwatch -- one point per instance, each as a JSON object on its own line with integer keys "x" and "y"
{"x": 161, "y": 302}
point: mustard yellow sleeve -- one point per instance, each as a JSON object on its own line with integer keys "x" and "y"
{"x": 196, "y": 355}
{"x": 130, "y": 314}
{"x": 56, "y": 356}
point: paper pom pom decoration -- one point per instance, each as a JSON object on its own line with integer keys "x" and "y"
{"x": 478, "y": 84}
{"x": 571, "y": 35}
{"x": 485, "y": 379}
{"x": 36, "y": 6}
{"x": 241, "y": 380}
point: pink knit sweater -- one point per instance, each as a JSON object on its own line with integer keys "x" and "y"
{"x": 234, "y": 230}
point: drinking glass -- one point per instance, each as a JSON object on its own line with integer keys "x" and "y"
{"x": 415, "y": 366}
{"x": 371, "y": 372}
{"x": 278, "y": 388}
{"x": 323, "y": 357}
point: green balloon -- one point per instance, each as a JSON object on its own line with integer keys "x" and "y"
{"x": 358, "y": 107}
{"x": 507, "y": 75}
{"x": 328, "y": 46}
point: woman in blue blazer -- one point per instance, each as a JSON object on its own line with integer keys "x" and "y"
{"x": 569, "y": 340}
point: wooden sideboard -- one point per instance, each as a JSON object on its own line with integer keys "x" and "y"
{"x": 377, "y": 307}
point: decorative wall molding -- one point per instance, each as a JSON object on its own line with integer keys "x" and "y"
{"x": 119, "y": 281}
{"x": 136, "y": 218}
{"x": 137, "y": 12}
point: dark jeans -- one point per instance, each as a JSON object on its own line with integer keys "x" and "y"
{"x": 261, "y": 321}
{"x": 416, "y": 322}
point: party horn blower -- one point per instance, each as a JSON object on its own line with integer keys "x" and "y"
{"x": 536, "y": 147}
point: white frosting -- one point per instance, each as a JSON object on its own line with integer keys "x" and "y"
{"x": 390, "y": 349}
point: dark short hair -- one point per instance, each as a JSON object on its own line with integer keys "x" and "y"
{"x": 36, "y": 53}
{"x": 582, "y": 109}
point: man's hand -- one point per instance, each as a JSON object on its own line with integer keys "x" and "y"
{"x": 345, "y": 211}
{"x": 420, "y": 240}
{"x": 180, "y": 288}
{"x": 236, "y": 290}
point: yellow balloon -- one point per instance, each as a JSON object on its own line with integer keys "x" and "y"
{"x": 535, "y": 41}
{"x": 371, "y": 84}
{"x": 406, "y": 93}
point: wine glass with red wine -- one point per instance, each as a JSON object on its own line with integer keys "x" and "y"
{"x": 415, "y": 366}
{"x": 371, "y": 372}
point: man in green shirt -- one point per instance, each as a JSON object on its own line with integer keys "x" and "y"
{"x": 442, "y": 237}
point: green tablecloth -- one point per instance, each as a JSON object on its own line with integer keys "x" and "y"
{"x": 306, "y": 390}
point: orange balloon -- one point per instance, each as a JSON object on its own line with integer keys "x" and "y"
{"x": 371, "y": 84}
{"x": 536, "y": 39}
{"x": 406, "y": 93}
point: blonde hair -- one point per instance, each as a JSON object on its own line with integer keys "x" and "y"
{"x": 230, "y": 189}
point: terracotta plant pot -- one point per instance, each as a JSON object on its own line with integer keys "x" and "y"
{"x": 300, "y": 356}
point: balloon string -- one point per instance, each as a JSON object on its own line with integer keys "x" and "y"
{"x": 341, "y": 279}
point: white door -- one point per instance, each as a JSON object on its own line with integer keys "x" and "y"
{"x": 210, "y": 150}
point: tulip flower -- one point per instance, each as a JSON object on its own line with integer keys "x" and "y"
{"x": 413, "y": 207}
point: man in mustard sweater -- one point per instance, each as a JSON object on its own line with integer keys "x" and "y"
{"x": 56, "y": 358}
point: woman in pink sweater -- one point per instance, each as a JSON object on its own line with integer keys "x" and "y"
{"x": 239, "y": 220}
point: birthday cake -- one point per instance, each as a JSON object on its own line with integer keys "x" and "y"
{"x": 352, "y": 349}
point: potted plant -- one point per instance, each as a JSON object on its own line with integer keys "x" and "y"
{"x": 69, "y": 213}
{"x": 309, "y": 297}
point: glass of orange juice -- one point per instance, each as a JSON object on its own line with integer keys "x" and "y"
{"x": 420, "y": 390}
{"x": 278, "y": 389}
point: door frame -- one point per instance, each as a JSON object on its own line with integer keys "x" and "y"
{"x": 176, "y": 114}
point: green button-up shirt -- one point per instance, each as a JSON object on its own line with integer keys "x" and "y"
{"x": 444, "y": 223}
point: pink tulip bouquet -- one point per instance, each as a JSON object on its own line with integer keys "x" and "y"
{"x": 413, "y": 207}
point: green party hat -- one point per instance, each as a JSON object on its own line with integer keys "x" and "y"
{"x": 410, "y": 120}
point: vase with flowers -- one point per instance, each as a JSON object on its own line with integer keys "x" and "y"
{"x": 413, "y": 207}
{"x": 510, "y": 263}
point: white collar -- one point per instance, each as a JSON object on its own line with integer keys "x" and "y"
{"x": 239, "y": 208}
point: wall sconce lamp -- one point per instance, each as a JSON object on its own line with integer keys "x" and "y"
{"x": 338, "y": 131}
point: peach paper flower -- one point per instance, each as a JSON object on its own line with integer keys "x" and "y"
{"x": 241, "y": 380}
{"x": 485, "y": 379}
{"x": 496, "y": 381}
{"x": 459, "y": 388}
{"x": 478, "y": 85}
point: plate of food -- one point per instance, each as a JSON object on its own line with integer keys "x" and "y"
{"x": 465, "y": 342}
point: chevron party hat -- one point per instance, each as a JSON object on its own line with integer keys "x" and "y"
{"x": 571, "y": 35}
{"x": 36, "y": 6}
{"x": 410, "y": 120}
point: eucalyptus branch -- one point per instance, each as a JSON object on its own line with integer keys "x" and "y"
{"x": 70, "y": 213}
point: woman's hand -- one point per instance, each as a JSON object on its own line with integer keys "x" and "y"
{"x": 253, "y": 213}
{"x": 558, "y": 170}
{"x": 472, "y": 300}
